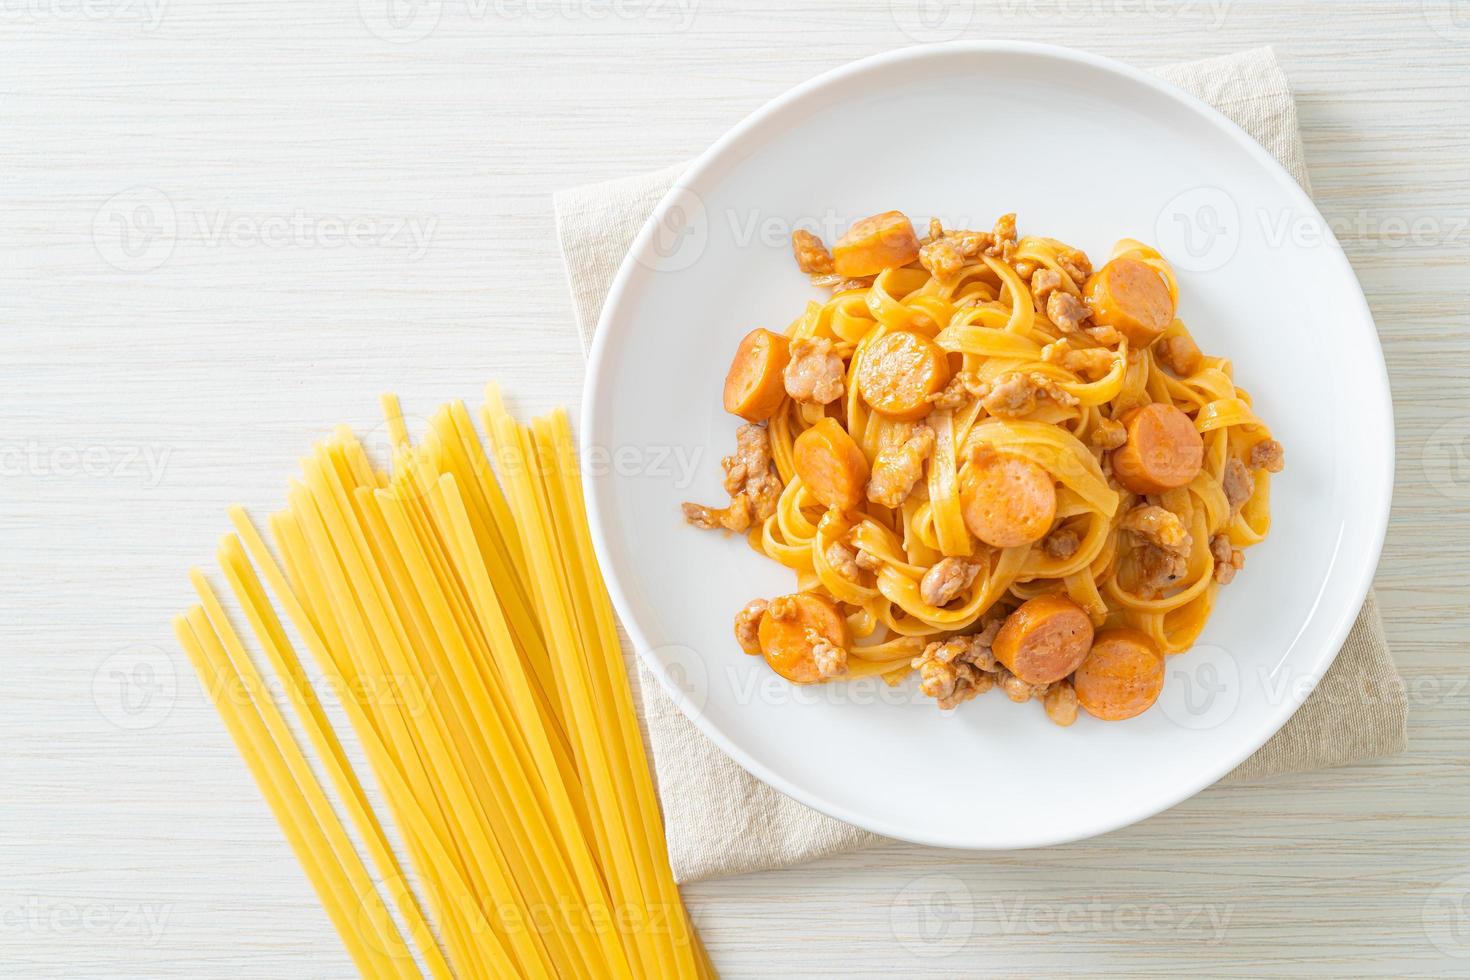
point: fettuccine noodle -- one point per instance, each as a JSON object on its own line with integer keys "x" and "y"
{"x": 1132, "y": 470}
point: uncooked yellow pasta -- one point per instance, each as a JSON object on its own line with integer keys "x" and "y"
{"x": 461, "y": 622}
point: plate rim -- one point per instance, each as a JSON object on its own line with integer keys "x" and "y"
{"x": 604, "y": 336}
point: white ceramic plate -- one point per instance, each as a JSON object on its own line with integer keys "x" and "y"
{"x": 1088, "y": 151}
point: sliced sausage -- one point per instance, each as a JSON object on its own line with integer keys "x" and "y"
{"x": 884, "y": 241}
{"x": 1132, "y": 298}
{"x": 1044, "y": 640}
{"x": 1122, "y": 675}
{"x": 1006, "y": 499}
{"x": 831, "y": 465}
{"x": 754, "y": 387}
{"x": 1163, "y": 450}
{"x": 789, "y": 629}
{"x": 898, "y": 373}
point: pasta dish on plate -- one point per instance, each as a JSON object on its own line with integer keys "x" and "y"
{"x": 990, "y": 463}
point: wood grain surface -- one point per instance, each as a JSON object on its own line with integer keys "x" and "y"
{"x": 227, "y": 226}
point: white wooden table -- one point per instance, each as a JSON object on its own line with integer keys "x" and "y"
{"x": 226, "y": 226}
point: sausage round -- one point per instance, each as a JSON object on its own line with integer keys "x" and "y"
{"x": 1122, "y": 675}
{"x": 884, "y": 241}
{"x": 1163, "y": 450}
{"x": 1006, "y": 499}
{"x": 786, "y": 644}
{"x": 831, "y": 465}
{"x": 1132, "y": 298}
{"x": 754, "y": 388}
{"x": 1044, "y": 640}
{"x": 899, "y": 371}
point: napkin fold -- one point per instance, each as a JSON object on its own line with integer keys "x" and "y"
{"x": 721, "y": 820}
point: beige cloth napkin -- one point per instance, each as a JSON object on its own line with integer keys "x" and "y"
{"x": 721, "y": 820}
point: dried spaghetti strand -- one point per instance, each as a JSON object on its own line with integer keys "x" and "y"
{"x": 380, "y": 927}
{"x": 468, "y": 935}
{"x": 252, "y": 599}
{"x": 614, "y": 681}
{"x": 464, "y": 623}
{"x": 281, "y": 793}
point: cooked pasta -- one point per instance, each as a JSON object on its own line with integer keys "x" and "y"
{"x": 983, "y": 459}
